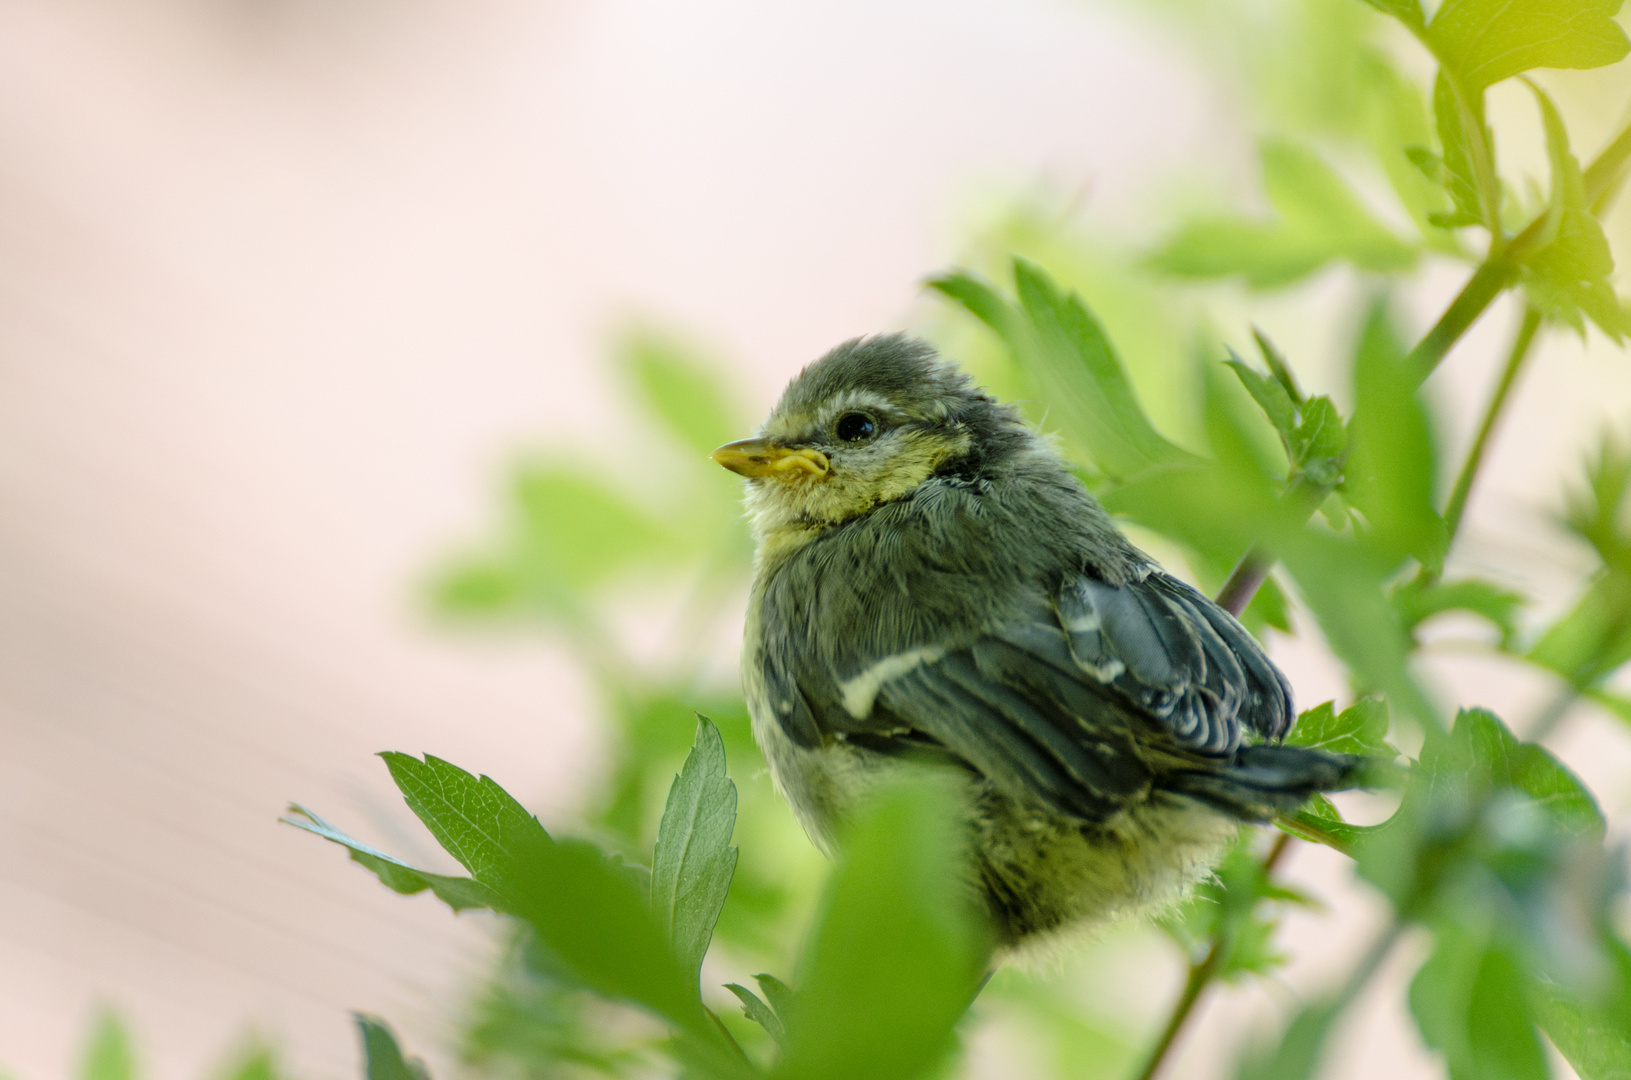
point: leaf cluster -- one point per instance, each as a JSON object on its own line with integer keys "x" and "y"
{"x": 596, "y": 925}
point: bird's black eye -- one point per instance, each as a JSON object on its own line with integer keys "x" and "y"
{"x": 855, "y": 427}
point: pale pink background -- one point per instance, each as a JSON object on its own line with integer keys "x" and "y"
{"x": 283, "y": 283}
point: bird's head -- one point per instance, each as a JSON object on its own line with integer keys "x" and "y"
{"x": 865, "y": 425}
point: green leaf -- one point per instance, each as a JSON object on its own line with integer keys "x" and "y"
{"x": 760, "y": 1013}
{"x": 1319, "y": 440}
{"x": 1392, "y": 470}
{"x": 108, "y": 1054}
{"x": 897, "y": 954}
{"x": 1271, "y": 397}
{"x": 1466, "y": 140}
{"x": 1568, "y": 273}
{"x": 1592, "y": 1031}
{"x": 256, "y": 1061}
{"x": 684, "y": 393}
{"x": 1406, "y": 11}
{"x": 1593, "y": 640}
{"x": 1319, "y": 220}
{"x": 1361, "y": 728}
{"x": 1297, "y": 1057}
{"x": 382, "y": 1056}
{"x": 1499, "y": 1029}
{"x": 1278, "y": 366}
{"x": 458, "y": 893}
{"x": 1063, "y": 351}
{"x": 1417, "y": 602}
{"x": 592, "y": 918}
{"x": 694, "y": 860}
{"x": 1484, "y": 753}
{"x": 476, "y": 821}
{"x": 569, "y": 533}
{"x": 1342, "y": 585}
{"x": 1485, "y": 41}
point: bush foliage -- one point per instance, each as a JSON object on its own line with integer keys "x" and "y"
{"x": 1495, "y": 854}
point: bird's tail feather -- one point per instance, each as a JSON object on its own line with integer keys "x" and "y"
{"x": 1264, "y": 781}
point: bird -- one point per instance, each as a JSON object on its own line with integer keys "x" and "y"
{"x": 933, "y": 582}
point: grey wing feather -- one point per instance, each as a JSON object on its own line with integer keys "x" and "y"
{"x": 1093, "y": 701}
{"x": 1177, "y": 657}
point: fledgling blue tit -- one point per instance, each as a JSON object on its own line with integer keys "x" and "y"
{"x": 932, "y": 580}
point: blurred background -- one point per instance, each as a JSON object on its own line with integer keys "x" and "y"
{"x": 306, "y": 306}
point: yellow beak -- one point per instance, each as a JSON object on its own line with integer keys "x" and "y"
{"x": 760, "y": 458}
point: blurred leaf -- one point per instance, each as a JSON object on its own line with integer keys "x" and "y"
{"x": 1460, "y": 131}
{"x": 1277, "y": 366}
{"x": 1319, "y": 440}
{"x": 1342, "y": 585}
{"x": 1469, "y": 1002}
{"x": 1417, "y": 601}
{"x": 1569, "y": 273}
{"x": 1594, "y": 639}
{"x": 1361, "y": 728}
{"x": 1392, "y": 470}
{"x": 458, "y": 893}
{"x": 1271, "y": 397}
{"x": 776, "y": 992}
{"x": 1459, "y": 808}
{"x": 1297, "y": 1057}
{"x": 760, "y": 1013}
{"x": 593, "y": 918}
{"x": 1484, "y": 754}
{"x": 476, "y": 821}
{"x": 1063, "y": 351}
{"x": 694, "y": 860}
{"x": 684, "y": 393}
{"x": 383, "y": 1058}
{"x": 1226, "y": 916}
{"x": 257, "y": 1061}
{"x": 108, "y": 1054}
{"x": 1485, "y": 41}
{"x": 1406, "y": 11}
{"x": 897, "y": 954}
{"x": 1268, "y": 607}
{"x": 1319, "y": 220}
{"x": 1594, "y": 1034}
{"x": 569, "y": 534}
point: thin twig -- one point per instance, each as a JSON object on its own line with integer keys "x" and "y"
{"x": 1200, "y": 976}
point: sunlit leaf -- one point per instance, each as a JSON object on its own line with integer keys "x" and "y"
{"x": 693, "y": 861}
{"x": 896, "y": 955}
{"x": 1485, "y": 41}
{"x": 1406, "y": 11}
{"x": 1569, "y": 273}
{"x": 1463, "y": 134}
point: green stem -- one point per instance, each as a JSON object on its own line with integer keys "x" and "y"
{"x": 1475, "y": 454}
{"x": 1486, "y": 283}
{"x": 1201, "y": 974}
